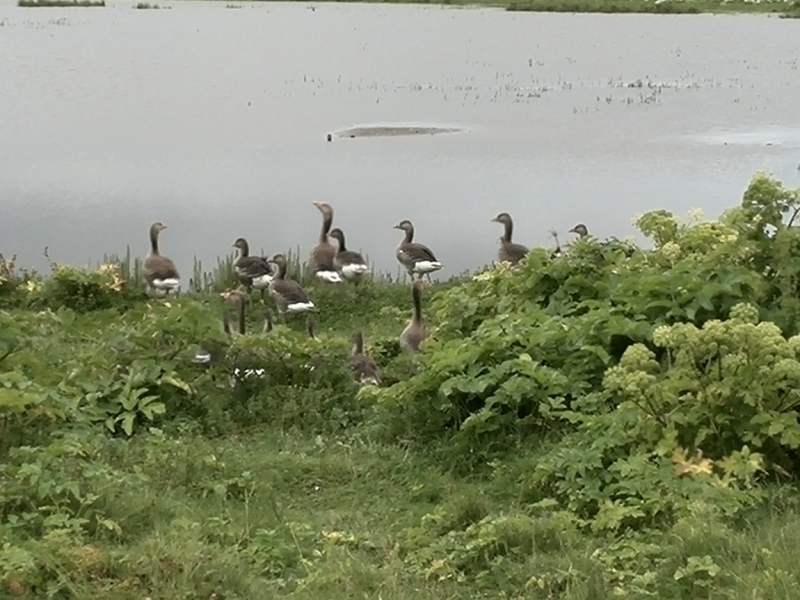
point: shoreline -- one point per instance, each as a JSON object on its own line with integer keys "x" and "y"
{"x": 784, "y": 9}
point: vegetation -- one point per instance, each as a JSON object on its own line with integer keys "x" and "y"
{"x": 60, "y": 3}
{"x": 781, "y": 7}
{"x": 620, "y": 422}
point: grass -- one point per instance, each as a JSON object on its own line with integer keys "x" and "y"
{"x": 275, "y": 513}
{"x": 272, "y": 511}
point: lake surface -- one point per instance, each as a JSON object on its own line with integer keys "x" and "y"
{"x": 214, "y": 121}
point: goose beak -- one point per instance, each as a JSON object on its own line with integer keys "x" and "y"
{"x": 494, "y": 220}
{"x": 572, "y": 230}
{"x": 396, "y": 227}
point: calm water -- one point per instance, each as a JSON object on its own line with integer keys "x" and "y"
{"x": 214, "y": 121}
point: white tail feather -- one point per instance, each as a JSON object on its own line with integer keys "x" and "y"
{"x": 262, "y": 282}
{"x": 202, "y": 356}
{"x": 170, "y": 284}
{"x": 351, "y": 271}
{"x": 300, "y": 307}
{"x": 427, "y": 266}
{"x": 329, "y": 276}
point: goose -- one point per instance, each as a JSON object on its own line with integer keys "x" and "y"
{"x": 414, "y": 333}
{"x": 288, "y": 294}
{"x": 252, "y": 271}
{"x": 267, "y": 313}
{"x": 582, "y": 232}
{"x": 416, "y": 258}
{"x": 240, "y": 300}
{"x": 509, "y": 251}
{"x": 580, "y": 229}
{"x": 350, "y": 264}
{"x": 160, "y": 272}
{"x": 207, "y": 357}
{"x": 323, "y": 253}
{"x": 365, "y": 369}
{"x": 311, "y": 328}
{"x": 558, "y": 252}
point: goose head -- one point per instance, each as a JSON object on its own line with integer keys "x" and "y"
{"x": 280, "y": 260}
{"x": 503, "y": 218}
{"x": 338, "y": 235}
{"x": 240, "y": 243}
{"x": 324, "y": 208}
{"x": 404, "y": 225}
{"x": 580, "y": 229}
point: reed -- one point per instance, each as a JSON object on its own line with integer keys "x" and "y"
{"x": 220, "y": 277}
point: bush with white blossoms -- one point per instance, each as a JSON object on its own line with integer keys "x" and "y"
{"x": 718, "y": 387}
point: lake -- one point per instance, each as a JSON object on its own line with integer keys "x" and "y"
{"x": 214, "y": 121}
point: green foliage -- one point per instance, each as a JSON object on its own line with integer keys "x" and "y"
{"x": 82, "y": 289}
{"x": 621, "y": 411}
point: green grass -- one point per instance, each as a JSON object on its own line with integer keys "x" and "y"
{"x": 274, "y": 514}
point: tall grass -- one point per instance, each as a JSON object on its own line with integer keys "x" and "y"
{"x": 221, "y": 277}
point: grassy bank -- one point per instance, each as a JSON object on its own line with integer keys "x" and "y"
{"x": 616, "y": 422}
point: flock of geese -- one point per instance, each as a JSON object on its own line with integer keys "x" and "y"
{"x": 331, "y": 264}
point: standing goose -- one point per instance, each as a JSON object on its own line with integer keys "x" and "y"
{"x": 159, "y": 271}
{"x": 414, "y": 333}
{"x": 267, "y": 320}
{"x": 416, "y": 258}
{"x": 350, "y": 264}
{"x": 558, "y": 252}
{"x": 323, "y": 253}
{"x": 365, "y": 369}
{"x": 240, "y": 300}
{"x": 288, "y": 294}
{"x": 252, "y": 271}
{"x": 509, "y": 251}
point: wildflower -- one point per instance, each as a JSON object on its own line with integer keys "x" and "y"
{"x": 32, "y": 286}
{"x": 695, "y": 214}
{"x": 662, "y": 335}
{"x": 671, "y": 251}
{"x": 747, "y": 313}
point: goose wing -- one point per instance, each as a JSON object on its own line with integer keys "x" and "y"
{"x": 291, "y": 291}
{"x": 253, "y": 266}
{"x": 159, "y": 267}
{"x": 348, "y": 257}
{"x": 418, "y": 252}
